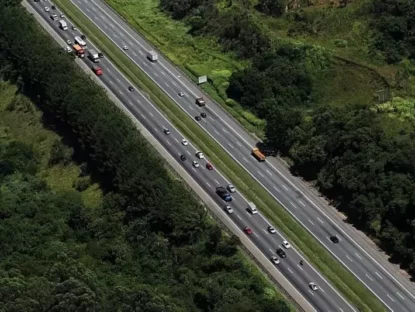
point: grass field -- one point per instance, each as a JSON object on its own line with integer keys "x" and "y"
{"x": 338, "y": 275}
{"x": 21, "y": 121}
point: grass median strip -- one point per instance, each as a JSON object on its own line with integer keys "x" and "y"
{"x": 341, "y": 278}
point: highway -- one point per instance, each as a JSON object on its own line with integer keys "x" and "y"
{"x": 324, "y": 299}
{"x": 360, "y": 259}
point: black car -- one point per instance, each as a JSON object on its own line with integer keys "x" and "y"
{"x": 130, "y": 88}
{"x": 334, "y": 239}
{"x": 182, "y": 157}
{"x": 198, "y": 118}
{"x": 281, "y": 253}
{"x": 83, "y": 37}
{"x": 53, "y": 7}
{"x": 100, "y": 55}
{"x": 203, "y": 115}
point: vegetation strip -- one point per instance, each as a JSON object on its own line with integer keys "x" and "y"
{"x": 343, "y": 280}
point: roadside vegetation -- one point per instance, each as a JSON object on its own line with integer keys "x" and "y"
{"x": 97, "y": 223}
{"x": 332, "y": 83}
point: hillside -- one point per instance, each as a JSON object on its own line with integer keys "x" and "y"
{"x": 327, "y": 84}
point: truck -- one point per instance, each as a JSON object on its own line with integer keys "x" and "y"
{"x": 252, "y": 208}
{"x": 223, "y": 193}
{"x": 79, "y": 50}
{"x": 79, "y": 41}
{"x": 93, "y": 55}
{"x": 152, "y": 56}
{"x": 63, "y": 25}
{"x": 200, "y": 101}
{"x": 257, "y": 154}
{"x": 97, "y": 70}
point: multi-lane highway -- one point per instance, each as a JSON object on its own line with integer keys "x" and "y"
{"x": 234, "y": 139}
{"x": 324, "y": 299}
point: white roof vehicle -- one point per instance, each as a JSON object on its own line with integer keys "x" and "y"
{"x": 200, "y": 155}
{"x": 47, "y": 9}
{"x": 195, "y": 164}
{"x": 228, "y": 209}
{"x": 231, "y": 188}
{"x": 275, "y": 260}
{"x": 286, "y": 244}
{"x": 271, "y": 230}
{"x": 313, "y": 286}
{"x": 252, "y": 208}
{"x": 184, "y": 142}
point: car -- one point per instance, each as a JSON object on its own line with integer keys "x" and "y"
{"x": 209, "y": 166}
{"x": 228, "y": 209}
{"x": 74, "y": 28}
{"x": 53, "y": 7}
{"x": 275, "y": 260}
{"x": 231, "y": 188}
{"x": 167, "y": 131}
{"x": 203, "y": 115}
{"x": 334, "y": 239}
{"x": 68, "y": 49}
{"x": 271, "y": 230}
{"x": 69, "y": 41}
{"x": 195, "y": 164}
{"x": 281, "y": 253}
{"x": 181, "y": 94}
{"x": 198, "y": 118}
{"x": 83, "y": 37}
{"x": 100, "y": 54}
{"x": 184, "y": 142}
{"x": 62, "y": 15}
{"x": 248, "y": 230}
{"x": 286, "y": 244}
{"x": 125, "y": 48}
{"x": 53, "y": 17}
{"x": 131, "y": 88}
{"x": 47, "y": 9}
{"x": 313, "y": 286}
{"x": 182, "y": 157}
{"x": 200, "y": 155}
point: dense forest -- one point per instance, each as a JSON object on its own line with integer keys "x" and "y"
{"x": 360, "y": 158}
{"x": 145, "y": 245}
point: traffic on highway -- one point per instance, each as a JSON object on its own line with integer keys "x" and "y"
{"x": 243, "y": 214}
{"x": 229, "y": 134}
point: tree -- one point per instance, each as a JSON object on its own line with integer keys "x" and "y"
{"x": 272, "y": 7}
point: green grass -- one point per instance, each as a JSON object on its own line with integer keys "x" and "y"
{"x": 21, "y": 121}
{"x": 343, "y": 280}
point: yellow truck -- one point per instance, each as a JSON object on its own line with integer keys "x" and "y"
{"x": 257, "y": 154}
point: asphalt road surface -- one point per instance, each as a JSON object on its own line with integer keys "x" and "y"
{"x": 326, "y": 298}
{"x": 234, "y": 139}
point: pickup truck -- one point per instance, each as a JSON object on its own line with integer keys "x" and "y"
{"x": 223, "y": 193}
{"x": 97, "y": 70}
{"x": 200, "y": 101}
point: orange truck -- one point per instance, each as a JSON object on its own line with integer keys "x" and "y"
{"x": 257, "y": 154}
{"x": 79, "y": 50}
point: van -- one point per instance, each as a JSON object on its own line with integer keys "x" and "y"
{"x": 79, "y": 41}
{"x": 252, "y": 208}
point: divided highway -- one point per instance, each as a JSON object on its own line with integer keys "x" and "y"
{"x": 238, "y": 143}
{"x": 326, "y": 298}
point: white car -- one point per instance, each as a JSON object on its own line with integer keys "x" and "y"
{"x": 68, "y": 49}
{"x": 181, "y": 94}
{"x": 271, "y": 230}
{"x": 275, "y": 260}
{"x": 313, "y": 286}
{"x": 286, "y": 244}
{"x": 228, "y": 209}
{"x": 184, "y": 142}
{"x": 74, "y": 28}
{"x": 47, "y": 9}
{"x": 195, "y": 164}
{"x": 231, "y": 188}
{"x": 200, "y": 155}
{"x": 125, "y": 48}
{"x": 69, "y": 42}
{"x": 62, "y": 15}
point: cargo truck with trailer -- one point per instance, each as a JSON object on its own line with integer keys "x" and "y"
{"x": 223, "y": 193}
{"x": 257, "y": 154}
{"x": 79, "y": 50}
{"x": 93, "y": 55}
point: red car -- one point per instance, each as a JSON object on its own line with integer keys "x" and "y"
{"x": 248, "y": 230}
{"x": 209, "y": 166}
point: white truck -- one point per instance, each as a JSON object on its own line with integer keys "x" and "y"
{"x": 79, "y": 41}
{"x": 93, "y": 55}
{"x": 152, "y": 56}
{"x": 252, "y": 208}
{"x": 63, "y": 25}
